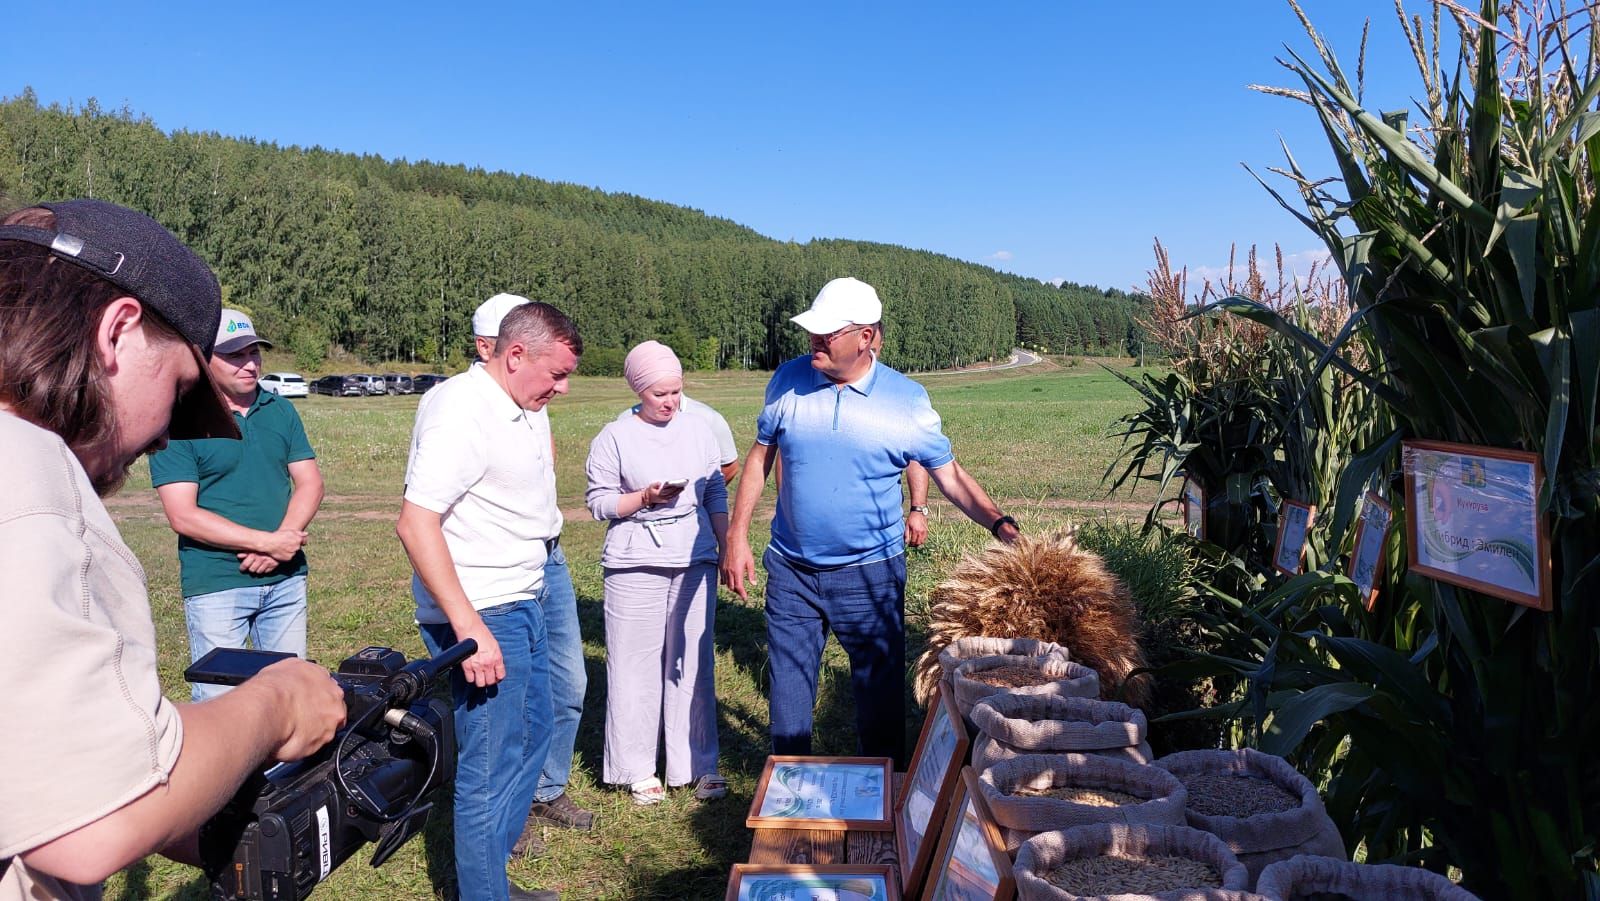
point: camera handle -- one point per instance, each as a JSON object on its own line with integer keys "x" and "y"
{"x": 413, "y": 680}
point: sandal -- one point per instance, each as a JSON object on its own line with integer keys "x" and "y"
{"x": 710, "y": 787}
{"x": 647, "y": 791}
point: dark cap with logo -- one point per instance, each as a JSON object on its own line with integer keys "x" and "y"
{"x": 134, "y": 252}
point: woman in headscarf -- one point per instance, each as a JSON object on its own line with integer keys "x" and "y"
{"x": 655, "y": 477}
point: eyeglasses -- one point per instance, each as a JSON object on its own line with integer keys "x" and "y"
{"x": 834, "y": 336}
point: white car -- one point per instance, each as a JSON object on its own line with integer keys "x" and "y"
{"x": 285, "y": 384}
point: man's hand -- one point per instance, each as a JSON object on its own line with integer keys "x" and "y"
{"x": 256, "y": 564}
{"x": 486, "y": 667}
{"x": 310, "y": 703}
{"x": 916, "y": 528}
{"x": 738, "y": 566}
{"x": 283, "y": 544}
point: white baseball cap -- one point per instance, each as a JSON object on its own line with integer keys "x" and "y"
{"x": 841, "y": 302}
{"x": 486, "y": 319}
{"x": 236, "y": 332}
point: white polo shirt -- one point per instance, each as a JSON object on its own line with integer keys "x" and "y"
{"x": 483, "y": 463}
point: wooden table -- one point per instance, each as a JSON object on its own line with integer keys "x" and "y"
{"x": 813, "y": 846}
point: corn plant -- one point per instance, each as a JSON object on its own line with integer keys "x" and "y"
{"x": 1452, "y": 728}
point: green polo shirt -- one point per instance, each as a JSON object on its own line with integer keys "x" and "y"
{"x": 245, "y": 481}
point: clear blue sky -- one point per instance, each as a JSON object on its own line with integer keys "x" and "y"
{"x": 1051, "y": 139}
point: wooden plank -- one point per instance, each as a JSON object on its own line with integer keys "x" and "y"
{"x": 797, "y": 846}
{"x": 871, "y": 847}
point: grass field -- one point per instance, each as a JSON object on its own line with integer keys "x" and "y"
{"x": 1036, "y": 438}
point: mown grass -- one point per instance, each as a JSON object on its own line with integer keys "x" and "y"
{"x": 1036, "y": 438}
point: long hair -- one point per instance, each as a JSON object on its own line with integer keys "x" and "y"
{"x": 50, "y": 372}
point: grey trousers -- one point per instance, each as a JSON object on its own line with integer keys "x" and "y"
{"x": 660, "y": 685}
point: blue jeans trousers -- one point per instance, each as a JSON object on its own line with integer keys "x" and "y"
{"x": 568, "y": 679}
{"x": 864, "y": 607}
{"x": 502, "y": 737}
{"x": 272, "y": 617}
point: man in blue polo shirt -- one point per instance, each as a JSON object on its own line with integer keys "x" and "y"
{"x": 845, "y": 426}
{"x": 240, "y": 509}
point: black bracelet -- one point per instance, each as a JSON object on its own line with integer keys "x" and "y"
{"x": 995, "y": 529}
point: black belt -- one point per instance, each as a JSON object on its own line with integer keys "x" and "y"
{"x": 550, "y": 545}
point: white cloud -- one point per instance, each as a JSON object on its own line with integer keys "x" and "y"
{"x": 1001, "y": 255}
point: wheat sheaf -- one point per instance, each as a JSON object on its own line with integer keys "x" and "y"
{"x": 1047, "y": 588}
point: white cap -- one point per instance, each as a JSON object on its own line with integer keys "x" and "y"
{"x": 841, "y": 302}
{"x": 486, "y": 319}
{"x": 236, "y": 332}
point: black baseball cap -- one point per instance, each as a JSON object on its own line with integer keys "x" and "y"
{"x": 134, "y": 252}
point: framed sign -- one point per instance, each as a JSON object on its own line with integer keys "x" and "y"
{"x": 812, "y": 882}
{"x": 1366, "y": 554}
{"x": 1194, "y": 508}
{"x": 1294, "y": 525}
{"x": 849, "y": 793}
{"x": 1472, "y": 519}
{"x": 971, "y": 863}
{"x": 930, "y": 782}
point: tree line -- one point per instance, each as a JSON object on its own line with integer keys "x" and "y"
{"x": 388, "y": 258}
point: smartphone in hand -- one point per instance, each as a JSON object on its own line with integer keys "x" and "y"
{"x": 675, "y": 484}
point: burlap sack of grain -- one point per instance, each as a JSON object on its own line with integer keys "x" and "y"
{"x": 1013, "y": 724}
{"x": 963, "y": 649}
{"x": 1305, "y": 876}
{"x": 1021, "y": 815}
{"x": 1066, "y": 680}
{"x": 1044, "y": 853}
{"x": 1264, "y": 838}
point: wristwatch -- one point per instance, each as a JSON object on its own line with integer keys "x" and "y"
{"x": 995, "y": 528}
{"x": 919, "y": 508}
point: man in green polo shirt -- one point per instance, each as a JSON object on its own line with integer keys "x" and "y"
{"x": 240, "y": 509}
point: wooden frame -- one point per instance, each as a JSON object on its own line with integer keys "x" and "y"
{"x": 930, "y": 781}
{"x": 1473, "y": 491}
{"x": 785, "y": 766}
{"x": 1367, "y": 551}
{"x": 1294, "y": 525}
{"x": 870, "y": 873}
{"x": 957, "y": 879}
{"x": 1192, "y": 501}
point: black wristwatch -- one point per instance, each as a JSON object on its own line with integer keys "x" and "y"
{"x": 995, "y": 529}
{"x": 919, "y": 508}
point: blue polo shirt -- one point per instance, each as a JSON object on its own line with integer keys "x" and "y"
{"x": 245, "y": 481}
{"x": 843, "y": 449}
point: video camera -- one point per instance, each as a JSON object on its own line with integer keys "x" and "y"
{"x": 292, "y": 824}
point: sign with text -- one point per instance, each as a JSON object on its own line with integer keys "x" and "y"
{"x": 1194, "y": 508}
{"x": 823, "y": 793}
{"x": 1473, "y": 520}
{"x": 1294, "y": 525}
{"x": 1366, "y": 555}
{"x": 815, "y": 882}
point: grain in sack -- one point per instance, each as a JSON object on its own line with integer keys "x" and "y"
{"x": 1012, "y": 724}
{"x": 1308, "y": 876}
{"x": 1037, "y": 793}
{"x": 1051, "y": 675}
{"x": 1129, "y": 863}
{"x": 1262, "y": 807}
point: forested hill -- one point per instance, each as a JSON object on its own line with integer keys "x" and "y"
{"x": 387, "y": 259}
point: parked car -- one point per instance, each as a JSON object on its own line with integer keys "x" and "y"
{"x": 285, "y": 384}
{"x": 373, "y": 384}
{"x": 340, "y": 386}
{"x": 421, "y": 383}
{"x": 397, "y": 384}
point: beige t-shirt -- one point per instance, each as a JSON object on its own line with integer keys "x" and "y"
{"x": 89, "y": 728}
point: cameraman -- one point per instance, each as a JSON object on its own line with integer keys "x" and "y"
{"x": 106, "y": 321}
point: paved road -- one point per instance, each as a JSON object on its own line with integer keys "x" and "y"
{"x": 1017, "y": 360}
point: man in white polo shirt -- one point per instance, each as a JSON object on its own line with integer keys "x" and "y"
{"x": 476, "y": 515}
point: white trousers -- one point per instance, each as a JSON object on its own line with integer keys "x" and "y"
{"x": 660, "y": 685}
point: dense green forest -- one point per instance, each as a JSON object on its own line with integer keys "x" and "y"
{"x": 387, "y": 259}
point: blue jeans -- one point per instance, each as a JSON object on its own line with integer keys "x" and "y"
{"x": 568, "y": 679}
{"x": 502, "y": 735}
{"x": 272, "y": 617}
{"x": 864, "y": 607}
